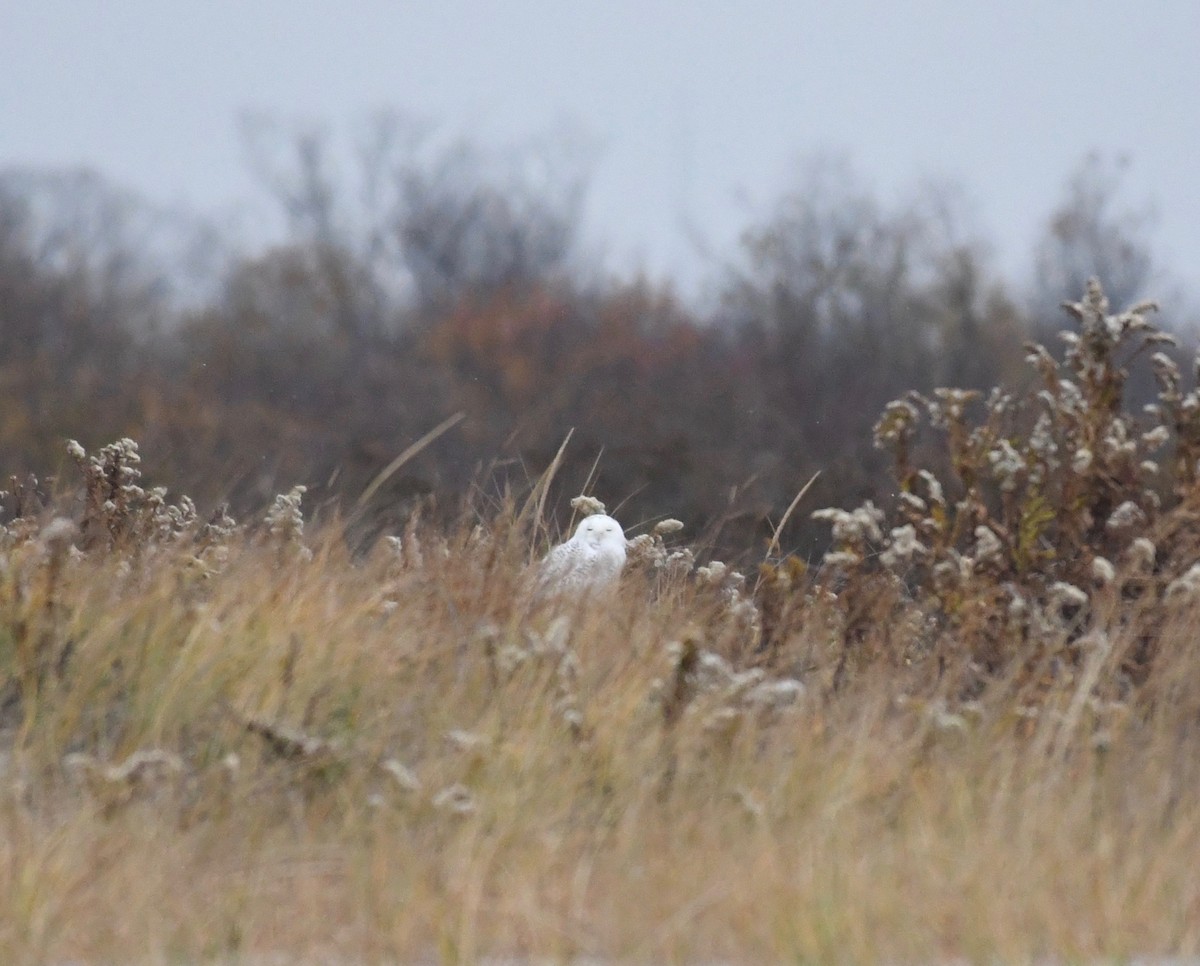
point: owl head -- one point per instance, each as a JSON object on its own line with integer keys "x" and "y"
{"x": 601, "y": 531}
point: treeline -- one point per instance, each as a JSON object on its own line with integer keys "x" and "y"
{"x": 420, "y": 280}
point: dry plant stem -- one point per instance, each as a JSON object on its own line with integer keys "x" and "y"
{"x": 390, "y": 470}
{"x": 773, "y": 546}
{"x": 541, "y": 489}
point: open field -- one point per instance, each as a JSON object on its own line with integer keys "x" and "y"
{"x": 970, "y": 733}
{"x": 248, "y": 744}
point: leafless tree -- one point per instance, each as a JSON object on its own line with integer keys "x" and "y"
{"x": 424, "y": 221}
{"x": 1093, "y": 233}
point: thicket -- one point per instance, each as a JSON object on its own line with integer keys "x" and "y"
{"x": 425, "y": 283}
{"x": 1041, "y": 536}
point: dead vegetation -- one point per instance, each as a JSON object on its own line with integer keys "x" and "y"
{"x": 970, "y": 734}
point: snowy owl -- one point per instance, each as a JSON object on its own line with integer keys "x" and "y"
{"x": 589, "y": 561}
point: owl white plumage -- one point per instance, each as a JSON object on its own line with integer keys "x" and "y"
{"x": 590, "y": 561}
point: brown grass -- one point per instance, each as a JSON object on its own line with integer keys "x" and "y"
{"x": 970, "y": 735}
{"x": 580, "y": 790}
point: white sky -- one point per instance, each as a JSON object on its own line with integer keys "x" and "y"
{"x": 701, "y": 109}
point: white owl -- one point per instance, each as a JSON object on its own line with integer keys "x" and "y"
{"x": 591, "y": 560}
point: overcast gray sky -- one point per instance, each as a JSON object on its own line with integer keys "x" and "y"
{"x": 700, "y": 110}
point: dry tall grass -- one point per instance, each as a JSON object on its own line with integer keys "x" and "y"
{"x": 223, "y": 742}
{"x": 388, "y": 760}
